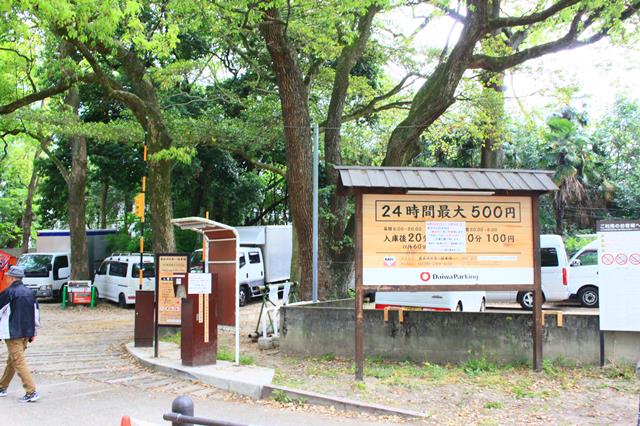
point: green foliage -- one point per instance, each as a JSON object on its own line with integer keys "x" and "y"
{"x": 493, "y": 405}
{"x": 15, "y": 173}
{"x": 477, "y": 366}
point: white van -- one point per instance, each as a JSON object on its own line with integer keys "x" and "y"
{"x": 118, "y": 277}
{"x": 583, "y": 276}
{"x": 45, "y": 273}
{"x": 554, "y": 271}
{"x": 443, "y": 301}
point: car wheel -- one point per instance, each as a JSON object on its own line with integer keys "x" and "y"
{"x": 459, "y": 307}
{"x": 245, "y": 295}
{"x": 122, "y": 301}
{"x": 588, "y": 297}
{"x": 483, "y": 305}
{"x": 526, "y": 300}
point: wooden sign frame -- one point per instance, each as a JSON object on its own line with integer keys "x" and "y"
{"x": 159, "y": 259}
{"x": 361, "y": 288}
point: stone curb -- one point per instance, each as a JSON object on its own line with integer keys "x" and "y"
{"x": 265, "y": 391}
{"x": 341, "y": 403}
{"x": 251, "y": 390}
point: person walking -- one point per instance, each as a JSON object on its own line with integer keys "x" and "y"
{"x": 19, "y": 318}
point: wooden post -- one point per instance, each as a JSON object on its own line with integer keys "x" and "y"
{"x": 537, "y": 286}
{"x": 359, "y": 314}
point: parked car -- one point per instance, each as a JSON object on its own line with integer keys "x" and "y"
{"x": 118, "y": 277}
{"x": 583, "y": 276}
{"x": 444, "y": 301}
{"x": 554, "y": 273}
{"x": 46, "y": 273}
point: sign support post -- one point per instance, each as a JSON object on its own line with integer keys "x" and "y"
{"x": 537, "y": 286}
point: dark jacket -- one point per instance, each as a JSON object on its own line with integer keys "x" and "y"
{"x": 19, "y": 312}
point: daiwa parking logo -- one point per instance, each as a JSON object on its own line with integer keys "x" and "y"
{"x": 425, "y": 276}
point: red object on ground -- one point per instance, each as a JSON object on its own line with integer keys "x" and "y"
{"x": 126, "y": 421}
{"x": 6, "y": 260}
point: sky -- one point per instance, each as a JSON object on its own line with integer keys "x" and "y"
{"x": 600, "y": 72}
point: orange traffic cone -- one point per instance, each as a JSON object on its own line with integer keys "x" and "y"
{"x": 126, "y": 421}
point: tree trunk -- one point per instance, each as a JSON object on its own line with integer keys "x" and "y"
{"x": 77, "y": 185}
{"x": 340, "y": 257}
{"x": 492, "y": 105}
{"x": 104, "y": 192}
{"x": 149, "y": 115}
{"x": 295, "y": 113}
{"x": 27, "y": 215}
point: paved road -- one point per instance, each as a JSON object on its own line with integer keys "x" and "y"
{"x": 85, "y": 378}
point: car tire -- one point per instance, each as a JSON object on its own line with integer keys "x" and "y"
{"x": 245, "y": 295}
{"x": 525, "y": 299}
{"x": 122, "y": 301}
{"x": 588, "y": 297}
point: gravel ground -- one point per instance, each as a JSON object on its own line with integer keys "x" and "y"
{"x": 475, "y": 393}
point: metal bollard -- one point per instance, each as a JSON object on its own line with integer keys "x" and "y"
{"x": 182, "y": 405}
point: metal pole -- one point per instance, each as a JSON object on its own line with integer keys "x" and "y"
{"x": 315, "y": 213}
{"x": 359, "y": 314}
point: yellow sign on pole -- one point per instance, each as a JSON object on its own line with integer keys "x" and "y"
{"x": 447, "y": 239}
{"x": 138, "y": 205}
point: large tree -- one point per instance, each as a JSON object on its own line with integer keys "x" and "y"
{"x": 574, "y": 23}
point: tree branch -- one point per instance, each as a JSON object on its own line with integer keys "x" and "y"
{"x": 371, "y": 108}
{"x": 61, "y": 87}
{"x": 515, "y": 21}
{"x": 375, "y": 109}
{"x": 257, "y": 163}
{"x": 501, "y": 63}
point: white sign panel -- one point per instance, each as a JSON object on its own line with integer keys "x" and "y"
{"x": 619, "y": 274}
{"x": 446, "y": 237}
{"x": 199, "y": 284}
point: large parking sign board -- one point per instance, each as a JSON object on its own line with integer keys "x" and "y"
{"x": 619, "y": 274}
{"x": 447, "y": 239}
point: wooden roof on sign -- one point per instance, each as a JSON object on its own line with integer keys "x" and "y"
{"x": 213, "y": 230}
{"x": 388, "y": 179}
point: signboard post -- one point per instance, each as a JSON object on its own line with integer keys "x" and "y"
{"x": 447, "y": 243}
{"x": 445, "y": 229}
{"x": 619, "y": 275}
{"x": 167, "y": 305}
{"x": 199, "y": 329}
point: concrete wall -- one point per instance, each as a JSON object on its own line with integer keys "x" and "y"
{"x": 449, "y": 337}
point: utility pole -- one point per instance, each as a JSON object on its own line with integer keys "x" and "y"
{"x": 315, "y": 213}
{"x": 139, "y": 209}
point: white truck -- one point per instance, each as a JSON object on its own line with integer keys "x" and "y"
{"x": 264, "y": 258}
{"x": 48, "y": 269}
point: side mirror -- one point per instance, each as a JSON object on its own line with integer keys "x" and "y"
{"x": 49, "y": 267}
{"x": 63, "y": 273}
{"x": 576, "y": 262}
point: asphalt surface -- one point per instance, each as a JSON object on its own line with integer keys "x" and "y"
{"x": 85, "y": 378}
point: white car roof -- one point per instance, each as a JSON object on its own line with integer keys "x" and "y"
{"x": 131, "y": 257}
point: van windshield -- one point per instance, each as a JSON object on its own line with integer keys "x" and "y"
{"x": 35, "y": 265}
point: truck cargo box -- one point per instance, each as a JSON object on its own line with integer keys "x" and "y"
{"x": 275, "y": 241}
